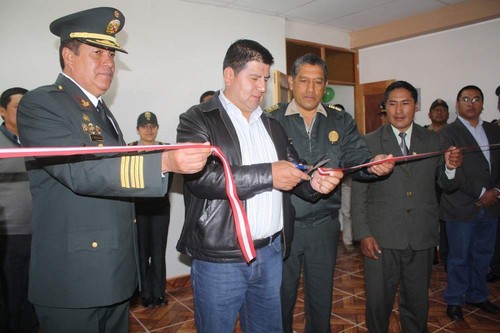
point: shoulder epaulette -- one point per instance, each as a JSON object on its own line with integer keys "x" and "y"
{"x": 272, "y": 108}
{"x": 333, "y": 107}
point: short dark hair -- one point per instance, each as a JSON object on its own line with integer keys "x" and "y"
{"x": 205, "y": 94}
{"x": 73, "y": 45}
{"x": 470, "y": 87}
{"x": 7, "y": 94}
{"x": 308, "y": 59}
{"x": 401, "y": 85}
{"x": 242, "y": 52}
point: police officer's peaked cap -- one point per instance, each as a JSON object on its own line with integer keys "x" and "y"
{"x": 96, "y": 27}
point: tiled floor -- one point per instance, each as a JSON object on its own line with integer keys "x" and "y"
{"x": 348, "y": 306}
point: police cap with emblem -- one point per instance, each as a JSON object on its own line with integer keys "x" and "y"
{"x": 438, "y": 102}
{"x": 96, "y": 27}
{"x": 147, "y": 118}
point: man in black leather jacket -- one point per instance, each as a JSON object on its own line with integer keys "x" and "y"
{"x": 265, "y": 171}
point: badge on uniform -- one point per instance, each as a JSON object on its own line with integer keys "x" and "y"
{"x": 93, "y": 131}
{"x": 333, "y": 136}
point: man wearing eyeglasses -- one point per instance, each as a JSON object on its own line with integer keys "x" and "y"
{"x": 471, "y": 212}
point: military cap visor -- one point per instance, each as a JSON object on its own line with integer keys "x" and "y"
{"x": 96, "y": 27}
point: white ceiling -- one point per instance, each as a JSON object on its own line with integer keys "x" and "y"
{"x": 345, "y": 15}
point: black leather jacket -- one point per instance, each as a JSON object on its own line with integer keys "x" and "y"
{"x": 208, "y": 232}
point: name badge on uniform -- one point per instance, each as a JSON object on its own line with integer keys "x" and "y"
{"x": 96, "y": 137}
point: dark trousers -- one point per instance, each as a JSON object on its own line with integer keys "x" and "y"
{"x": 315, "y": 248}
{"x": 443, "y": 243}
{"x": 152, "y": 233}
{"x": 106, "y": 319}
{"x": 15, "y": 253}
{"x": 471, "y": 249}
{"x": 495, "y": 261}
{"x": 411, "y": 271}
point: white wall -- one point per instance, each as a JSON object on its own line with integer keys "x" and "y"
{"x": 440, "y": 65}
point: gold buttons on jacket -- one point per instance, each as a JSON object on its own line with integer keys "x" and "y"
{"x": 409, "y": 194}
{"x": 94, "y": 244}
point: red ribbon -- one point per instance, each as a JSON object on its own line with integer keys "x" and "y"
{"x": 414, "y": 156}
{"x": 240, "y": 217}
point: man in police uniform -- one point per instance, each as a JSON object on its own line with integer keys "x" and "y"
{"x": 83, "y": 265}
{"x": 317, "y": 130}
{"x": 438, "y": 114}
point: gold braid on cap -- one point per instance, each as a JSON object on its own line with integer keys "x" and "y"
{"x": 92, "y": 35}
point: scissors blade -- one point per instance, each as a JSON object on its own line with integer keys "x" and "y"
{"x": 321, "y": 163}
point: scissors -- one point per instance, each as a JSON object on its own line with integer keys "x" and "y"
{"x": 311, "y": 168}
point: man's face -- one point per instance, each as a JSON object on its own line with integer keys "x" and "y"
{"x": 470, "y": 104}
{"x": 9, "y": 113}
{"x": 93, "y": 68}
{"x": 147, "y": 132}
{"x": 308, "y": 87}
{"x": 247, "y": 89}
{"x": 439, "y": 115}
{"x": 400, "y": 108}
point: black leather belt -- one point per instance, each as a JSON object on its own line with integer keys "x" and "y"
{"x": 258, "y": 243}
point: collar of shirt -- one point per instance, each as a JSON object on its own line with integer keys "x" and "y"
{"x": 92, "y": 98}
{"x": 11, "y": 136}
{"x": 479, "y": 135}
{"x": 408, "y": 135}
{"x": 294, "y": 109}
{"x": 234, "y": 111}
{"x": 468, "y": 125}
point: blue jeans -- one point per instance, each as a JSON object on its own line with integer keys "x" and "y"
{"x": 224, "y": 290}
{"x": 471, "y": 246}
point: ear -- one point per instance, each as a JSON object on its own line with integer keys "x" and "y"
{"x": 68, "y": 57}
{"x": 290, "y": 82}
{"x": 228, "y": 75}
{"x": 3, "y": 111}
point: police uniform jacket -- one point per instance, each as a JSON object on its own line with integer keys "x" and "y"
{"x": 208, "y": 232}
{"x": 401, "y": 209}
{"x": 83, "y": 252}
{"x": 460, "y": 205}
{"x": 337, "y": 137}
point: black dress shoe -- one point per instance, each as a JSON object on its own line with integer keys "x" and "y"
{"x": 160, "y": 301}
{"x": 455, "y": 312}
{"x": 148, "y": 302}
{"x": 486, "y": 306}
{"x": 492, "y": 277}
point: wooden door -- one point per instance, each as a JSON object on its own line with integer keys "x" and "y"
{"x": 368, "y": 96}
{"x": 281, "y": 90}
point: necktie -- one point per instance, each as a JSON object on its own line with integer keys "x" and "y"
{"x": 403, "y": 146}
{"x": 105, "y": 119}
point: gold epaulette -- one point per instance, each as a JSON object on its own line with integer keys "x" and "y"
{"x": 132, "y": 172}
{"x": 272, "y": 108}
{"x": 336, "y": 108}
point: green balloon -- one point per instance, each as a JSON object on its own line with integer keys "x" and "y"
{"x": 328, "y": 95}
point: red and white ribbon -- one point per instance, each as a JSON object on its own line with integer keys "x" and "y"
{"x": 414, "y": 156}
{"x": 240, "y": 217}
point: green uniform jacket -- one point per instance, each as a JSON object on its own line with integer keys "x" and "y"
{"x": 83, "y": 247}
{"x": 336, "y": 136}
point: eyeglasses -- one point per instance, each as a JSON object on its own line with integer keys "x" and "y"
{"x": 474, "y": 100}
